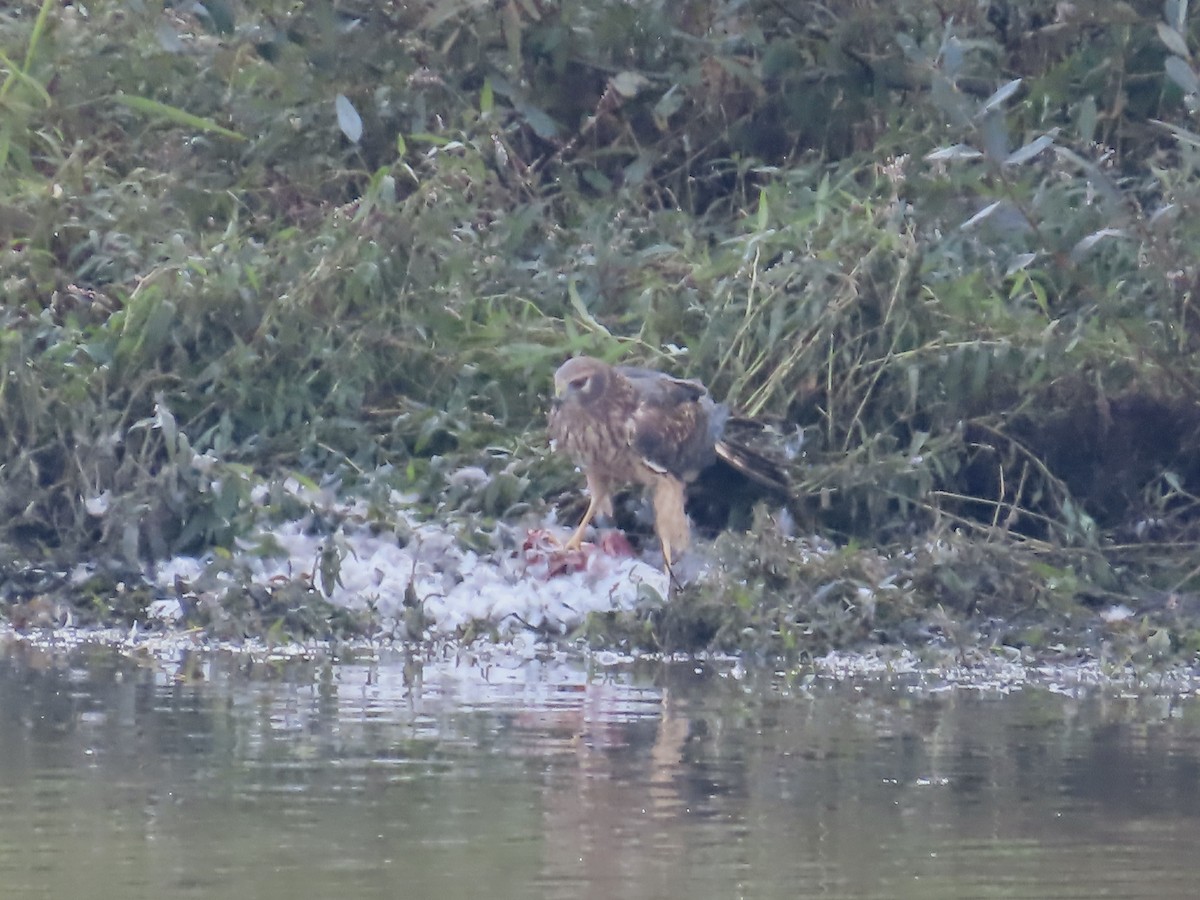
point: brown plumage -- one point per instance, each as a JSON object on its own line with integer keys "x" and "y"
{"x": 624, "y": 425}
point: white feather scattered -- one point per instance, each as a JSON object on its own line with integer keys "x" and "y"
{"x": 455, "y": 586}
{"x": 1118, "y": 612}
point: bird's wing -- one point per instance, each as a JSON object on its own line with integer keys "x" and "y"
{"x": 674, "y": 424}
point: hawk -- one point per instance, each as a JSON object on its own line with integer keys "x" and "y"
{"x": 624, "y": 425}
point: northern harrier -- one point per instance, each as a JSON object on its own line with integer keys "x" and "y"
{"x": 624, "y": 425}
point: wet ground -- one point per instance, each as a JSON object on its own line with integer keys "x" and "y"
{"x": 457, "y": 774}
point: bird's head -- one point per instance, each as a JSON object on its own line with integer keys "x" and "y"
{"x": 580, "y": 380}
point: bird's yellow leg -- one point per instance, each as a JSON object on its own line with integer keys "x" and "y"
{"x": 577, "y": 538}
{"x": 670, "y": 520}
{"x": 599, "y": 503}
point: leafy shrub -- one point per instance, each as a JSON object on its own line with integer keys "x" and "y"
{"x": 954, "y": 242}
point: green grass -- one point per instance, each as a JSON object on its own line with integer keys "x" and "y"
{"x": 273, "y": 240}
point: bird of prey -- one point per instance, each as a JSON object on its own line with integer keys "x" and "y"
{"x": 624, "y": 425}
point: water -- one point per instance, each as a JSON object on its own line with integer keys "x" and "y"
{"x": 393, "y": 777}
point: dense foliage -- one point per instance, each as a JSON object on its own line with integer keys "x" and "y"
{"x": 955, "y": 241}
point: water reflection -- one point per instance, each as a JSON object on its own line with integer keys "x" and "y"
{"x": 391, "y": 776}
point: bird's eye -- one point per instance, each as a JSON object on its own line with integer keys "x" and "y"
{"x": 581, "y": 382}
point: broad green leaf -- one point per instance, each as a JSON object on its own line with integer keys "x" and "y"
{"x": 1182, "y": 74}
{"x": 1173, "y": 39}
{"x": 597, "y": 180}
{"x": 953, "y": 152}
{"x": 426, "y": 138}
{"x": 1175, "y": 12}
{"x": 951, "y": 57}
{"x": 1181, "y": 134}
{"x": 636, "y": 171}
{"x": 543, "y": 126}
{"x": 487, "y": 97}
{"x": 1087, "y": 243}
{"x": 667, "y": 105}
{"x": 980, "y": 216}
{"x": 1019, "y": 262}
{"x": 1087, "y": 118}
{"x": 510, "y": 26}
{"x": 175, "y": 114}
{"x": 348, "y": 119}
{"x": 165, "y": 422}
{"x": 1029, "y": 151}
{"x": 994, "y": 131}
{"x": 1003, "y": 93}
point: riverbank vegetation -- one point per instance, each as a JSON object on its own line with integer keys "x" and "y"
{"x": 948, "y": 250}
